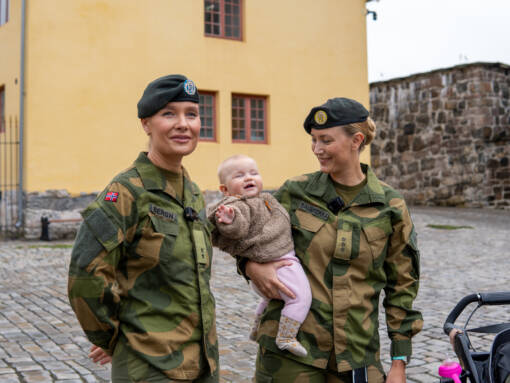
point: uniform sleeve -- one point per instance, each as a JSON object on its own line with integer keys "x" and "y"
{"x": 403, "y": 272}
{"x": 92, "y": 286}
{"x": 240, "y": 226}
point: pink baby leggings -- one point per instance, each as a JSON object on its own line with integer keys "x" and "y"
{"x": 294, "y": 278}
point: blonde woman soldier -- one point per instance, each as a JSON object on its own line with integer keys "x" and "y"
{"x": 141, "y": 263}
{"x": 354, "y": 237}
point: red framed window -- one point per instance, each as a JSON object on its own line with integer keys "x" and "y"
{"x": 222, "y": 18}
{"x": 2, "y": 109}
{"x": 249, "y": 119}
{"x": 4, "y": 11}
{"x": 207, "y": 105}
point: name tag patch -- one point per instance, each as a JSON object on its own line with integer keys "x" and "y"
{"x": 162, "y": 213}
{"x": 314, "y": 210}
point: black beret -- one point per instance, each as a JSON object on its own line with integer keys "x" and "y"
{"x": 163, "y": 90}
{"x": 335, "y": 112}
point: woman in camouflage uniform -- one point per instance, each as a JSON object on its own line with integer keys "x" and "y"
{"x": 141, "y": 263}
{"x": 354, "y": 237}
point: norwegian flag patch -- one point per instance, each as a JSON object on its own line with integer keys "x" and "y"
{"x": 111, "y": 196}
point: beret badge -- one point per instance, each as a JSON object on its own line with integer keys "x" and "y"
{"x": 189, "y": 87}
{"x": 320, "y": 117}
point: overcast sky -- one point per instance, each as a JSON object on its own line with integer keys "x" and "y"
{"x": 413, "y": 36}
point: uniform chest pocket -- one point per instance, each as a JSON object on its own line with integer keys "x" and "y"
{"x": 164, "y": 226}
{"x": 158, "y": 238}
{"x": 377, "y": 234}
{"x": 304, "y": 227}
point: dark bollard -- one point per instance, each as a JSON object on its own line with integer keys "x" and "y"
{"x": 45, "y": 232}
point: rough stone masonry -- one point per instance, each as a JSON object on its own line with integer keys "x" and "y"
{"x": 443, "y": 137}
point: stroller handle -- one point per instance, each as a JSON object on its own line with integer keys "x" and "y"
{"x": 497, "y": 298}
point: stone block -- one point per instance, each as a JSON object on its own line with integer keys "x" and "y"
{"x": 409, "y": 129}
{"x": 412, "y": 167}
{"x": 423, "y": 119}
{"x": 408, "y": 184}
{"x": 427, "y": 163}
{"x": 418, "y": 144}
{"x": 505, "y": 174}
{"x": 450, "y": 104}
{"x": 461, "y": 87}
{"x": 402, "y": 143}
{"x": 389, "y": 148}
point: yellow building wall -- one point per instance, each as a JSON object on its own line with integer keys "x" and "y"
{"x": 10, "y": 53}
{"x": 88, "y": 62}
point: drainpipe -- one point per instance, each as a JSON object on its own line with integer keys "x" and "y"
{"x": 19, "y": 224}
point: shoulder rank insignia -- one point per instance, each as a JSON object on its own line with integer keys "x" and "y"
{"x": 111, "y": 196}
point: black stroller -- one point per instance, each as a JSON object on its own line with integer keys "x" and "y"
{"x": 482, "y": 367}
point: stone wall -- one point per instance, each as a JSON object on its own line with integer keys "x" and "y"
{"x": 443, "y": 137}
{"x": 60, "y": 205}
{"x": 54, "y": 205}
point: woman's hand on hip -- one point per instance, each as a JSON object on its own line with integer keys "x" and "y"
{"x": 397, "y": 373}
{"x": 265, "y": 278}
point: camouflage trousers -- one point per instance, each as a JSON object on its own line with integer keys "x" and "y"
{"x": 275, "y": 368}
{"x": 129, "y": 368}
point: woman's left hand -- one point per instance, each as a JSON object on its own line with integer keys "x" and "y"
{"x": 397, "y": 373}
{"x": 98, "y": 355}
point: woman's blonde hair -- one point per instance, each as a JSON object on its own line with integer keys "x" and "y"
{"x": 367, "y": 128}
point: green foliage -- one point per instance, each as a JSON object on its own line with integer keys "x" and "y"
{"x": 448, "y": 227}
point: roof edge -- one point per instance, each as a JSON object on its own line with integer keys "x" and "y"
{"x": 460, "y": 66}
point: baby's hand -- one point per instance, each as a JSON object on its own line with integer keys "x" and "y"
{"x": 225, "y": 214}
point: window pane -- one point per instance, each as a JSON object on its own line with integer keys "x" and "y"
{"x": 216, "y": 30}
{"x": 206, "y": 106}
{"x": 228, "y": 31}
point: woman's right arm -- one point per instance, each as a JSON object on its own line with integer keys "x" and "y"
{"x": 263, "y": 275}
{"x": 92, "y": 286}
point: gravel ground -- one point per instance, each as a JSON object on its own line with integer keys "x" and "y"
{"x": 41, "y": 341}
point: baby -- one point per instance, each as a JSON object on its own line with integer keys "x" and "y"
{"x": 254, "y": 225}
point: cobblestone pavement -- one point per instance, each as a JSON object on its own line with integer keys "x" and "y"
{"x": 41, "y": 341}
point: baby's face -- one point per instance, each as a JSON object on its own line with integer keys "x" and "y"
{"x": 243, "y": 178}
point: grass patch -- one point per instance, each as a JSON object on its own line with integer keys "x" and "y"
{"x": 449, "y": 227}
{"x": 56, "y": 246}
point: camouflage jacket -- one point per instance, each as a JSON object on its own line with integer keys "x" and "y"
{"x": 140, "y": 270}
{"x": 349, "y": 258}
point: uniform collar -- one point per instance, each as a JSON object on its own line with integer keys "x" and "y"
{"x": 372, "y": 192}
{"x": 154, "y": 179}
{"x": 321, "y": 186}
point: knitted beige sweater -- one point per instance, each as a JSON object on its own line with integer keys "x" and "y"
{"x": 260, "y": 230}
